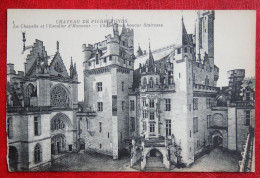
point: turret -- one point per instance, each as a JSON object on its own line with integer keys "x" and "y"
{"x": 87, "y": 51}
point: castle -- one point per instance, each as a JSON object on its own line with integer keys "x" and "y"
{"x": 162, "y": 105}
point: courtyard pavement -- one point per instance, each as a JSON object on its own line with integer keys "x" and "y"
{"x": 216, "y": 161}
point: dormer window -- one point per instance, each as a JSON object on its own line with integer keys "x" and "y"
{"x": 97, "y": 62}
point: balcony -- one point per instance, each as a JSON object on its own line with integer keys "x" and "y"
{"x": 155, "y": 142}
{"x": 157, "y": 87}
{"x": 200, "y": 87}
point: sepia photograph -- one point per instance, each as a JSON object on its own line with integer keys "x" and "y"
{"x": 130, "y": 90}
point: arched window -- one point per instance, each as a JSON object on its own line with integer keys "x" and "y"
{"x": 10, "y": 128}
{"x": 151, "y": 82}
{"x": 57, "y": 124}
{"x": 60, "y": 97}
{"x": 145, "y": 82}
{"x": 37, "y": 153}
{"x": 30, "y": 92}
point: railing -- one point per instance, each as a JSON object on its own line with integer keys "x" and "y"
{"x": 205, "y": 87}
{"x": 242, "y": 163}
{"x": 155, "y": 142}
{"x": 157, "y": 87}
{"x": 243, "y": 103}
{"x": 28, "y": 109}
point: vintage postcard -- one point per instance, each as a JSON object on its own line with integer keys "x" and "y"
{"x": 130, "y": 90}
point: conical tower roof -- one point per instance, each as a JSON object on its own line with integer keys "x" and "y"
{"x": 183, "y": 37}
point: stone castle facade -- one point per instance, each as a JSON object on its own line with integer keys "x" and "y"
{"x": 161, "y": 105}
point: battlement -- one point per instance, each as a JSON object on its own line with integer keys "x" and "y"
{"x": 114, "y": 39}
{"x": 87, "y": 48}
{"x": 236, "y": 73}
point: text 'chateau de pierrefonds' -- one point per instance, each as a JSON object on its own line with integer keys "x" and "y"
{"x": 143, "y": 104}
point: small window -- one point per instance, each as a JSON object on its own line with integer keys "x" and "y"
{"x": 152, "y": 127}
{"x": 179, "y": 75}
{"x": 107, "y": 134}
{"x": 179, "y": 51}
{"x": 130, "y": 63}
{"x": 144, "y": 101}
{"x": 191, "y": 50}
{"x": 37, "y": 153}
{"x": 97, "y": 61}
{"x": 145, "y": 114}
{"x": 195, "y": 124}
{"x": 185, "y": 49}
{"x": 151, "y": 103}
{"x": 132, "y": 105}
{"x": 132, "y": 121}
{"x": 105, "y": 60}
{"x": 123, "y": 105}
{"x": 144, "y": 126}
{"x": 247, "y": 121}
{"x": 195, "y": 103}
{"x": 100, "y": 146}
{"x": 100, "y": 127}
{"x": 100, "y": 106}
{"x": 168, "y": 127}
{"x": 167, "y": 104}
{"x": 89, "y": 63}
{"x": 110, "y": 58}
{"x": 248, "y": 96}
{"x": 99, "y": 86}
{"x": 123, "y": 86}
{"x": 70, "y": 147}
{"x": 37, "y": 126}
{"x": 10, "y": 128}
{"x": 151, "y": 115}
{"x": 208, "y": 121}
{"x": 208, "y": 103}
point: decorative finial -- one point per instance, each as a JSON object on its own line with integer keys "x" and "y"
{"x": 58, "y": 46}
{"x": 149, "y": 44}
{"x": 24, "y": 40}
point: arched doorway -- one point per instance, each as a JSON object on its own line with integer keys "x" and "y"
{"x": 13, "y": 158}
{"x": 217, "y": 141}
{"x": 58, "y": 144}
{"x": 82, "y": 144}
{"x": 154, "y": 159}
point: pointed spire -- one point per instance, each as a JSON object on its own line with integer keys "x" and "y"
{"x": 150, "y": 60}
{"x": 58, "y": 46}
{"x": 124, "y": 31}
{"x": 183, "y": 38}
{"x": 75, "y": 70}
{"x": 71, "y": 63}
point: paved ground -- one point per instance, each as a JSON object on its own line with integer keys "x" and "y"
{"x": 215, "y": 161}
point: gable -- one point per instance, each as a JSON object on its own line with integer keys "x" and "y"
{"x": 57, "y": 67}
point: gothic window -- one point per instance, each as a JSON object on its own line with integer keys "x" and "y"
{"x": 57, "y": 124}
{"x": 10, "y": 128}
{"x": 144, "y": 101}
{"x": 59, "y": 97}
{"x": 37, "y": 126}
{"x": 57, "y": 67}
{"x": 145, "y": 114}
{"x": 37, "y": 153}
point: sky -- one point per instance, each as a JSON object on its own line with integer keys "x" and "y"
{"x": 234, "y": 34}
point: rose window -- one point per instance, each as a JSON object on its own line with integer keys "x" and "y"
{"x": 59, "y": 97}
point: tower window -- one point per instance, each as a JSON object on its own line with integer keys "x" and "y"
{"x": 123, "y": 86}
{"x": 89, "y": 63}
{"x": 151, "y": 127}
{"x": 168, "y": 127}
{"x": 97, "y": 61}
{"x": 99, "y": 86}
{"x": 132, "y": 121}
{"x": 151, "y": 103}
{"x": 107, "y": 134}
{"x": 132, "y": 105}
{"x": 167, "y": 104}
{"x": 185, "y": 49}
{"x": 100, "y": 106}
{"x": 144, "y": 101}
{"x": 105, "y": 60}
{"x": 179, "y": 51}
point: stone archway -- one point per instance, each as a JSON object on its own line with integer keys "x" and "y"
{"x": 58, "y": 144}
{"x": 217, "y": 139}
{"x": 13, "y": 158}
{"x": 154, "y": 159}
